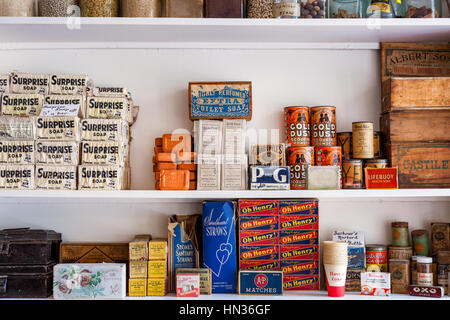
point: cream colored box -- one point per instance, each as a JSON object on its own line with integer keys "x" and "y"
{"x": 104, "y": 153}
{"x": 29, "y": 83}
{"x": 4, "y": 83}
{"x": 109, "y": 108}
{"x": 51, "y": 177}
{"x": 17, "y": 176}
{"x": 138, "y": 269}
{"x": 104, "y": 130}
{"x": 57, "y": 152}
{"x": 21, "y": 105}
{"x": 13, "y": 128}
{"x": 17, "y": 152}
{"x": 137, "y": 287}
{"x": 69, "y": 84}
{"x": 101, "y": 177}
{"x": 58, "y": 128}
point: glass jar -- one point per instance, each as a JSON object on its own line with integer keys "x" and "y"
{"x": 424, "y": 271}
{"x": 58, "y": 8}
{"x": 99, "y": 8}
{"x": 313, "y": 9}
{"x": 225, "y": 9}
{"x": 378, "y": 9}
{"x": 423, "y": 9}
{"x": 259, "y": 9}
{"x": 184, "y": 8}
{"x": 286, "y": 9}
{"x": 141, "y": 8}
{"x": 345, "y": 9}
{"x": 18, "y": 8}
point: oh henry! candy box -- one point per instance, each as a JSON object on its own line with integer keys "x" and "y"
{"x": 295, "y": 282}
{"x": 259, "y": 253}
{"x": 259, "y": 264}
{"x": 258, "y": 223}
{"x": 258, "y": 207}
{"x": 299, "y": 252}
{"x": 260, "y": 238}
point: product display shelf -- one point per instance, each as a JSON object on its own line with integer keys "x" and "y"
{"x": 36, "y": 32}
{"x": 154, "y": 196}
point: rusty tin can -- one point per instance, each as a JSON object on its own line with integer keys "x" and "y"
{"x": 344, "y": 140}
{"x": 299, "y": 158}
{"x": 362, "y": 139}
{"x": 376, "y": 163}
{"x": 376, "y": 258}
{"x": 323, "y": 126}
{"x": 297, "y": 126}
{"x": 377, "y": 143}
{"x": 399, "y": 270}
{"x": 400, "y": 253}
{"x": 352, "y": 174}
{"x": 328, "y": 156}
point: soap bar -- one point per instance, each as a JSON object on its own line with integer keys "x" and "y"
{"x": 57, "y": 152}
{"x": 176, "y": 143}
{"x": 4, "y": 83}
{"x": 110, "y": 92}
{"x": 63, "y": 105}
{"x": 269, "y": 178}
{"x": 104, "y": 130}
{"x": 58, "y": 128}
{"x": 89, "y": 281}
{"x": 19, "y": 177}
{"x": 109, "y": 108}
{"x": 209, "y": 137}
{"x": 69, "y": 84}
{"x": 234, "y": 172}
{"x": 51, "y": 177}
{"x": 21, "y": 105}
{"x": 13, "y": 128}
{"x": 29, "y": 83}
{"x": 323, "y": 177}
{"x": 101, "y": 177}
{"x": 208, "y": 174}
{"x": 174, "y": 180}
{"x": 17, "y": 152}
{"x": 104, "y": 153}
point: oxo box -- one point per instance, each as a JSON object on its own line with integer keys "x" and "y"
{"x": 281, "y": 235}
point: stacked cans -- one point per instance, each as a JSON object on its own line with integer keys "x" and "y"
{"x": 281, "y": 235}
{"x": 44, "y": 118}
{"x": 361, "y": 149}
{"x": 311, "y": 135}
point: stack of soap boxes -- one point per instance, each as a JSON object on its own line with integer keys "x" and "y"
{"x": 40, "y": 133}
{"x": 148, "y": 267}
{"x": 281, "y": 235}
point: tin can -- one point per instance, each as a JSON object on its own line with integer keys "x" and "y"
{"x": 400, "y": 277}
{"x": 377, "y": 152}
{"x": 376, "y": 163}
{"x": 323, "y": 126}
{"x": 400, "y": 234}
{"x": 376, "y": 258}
{"x": 362, "y": 138}
{"x": 344, "y": 140}
{"x": 297, "y": 126}
{"x": 400, "y": 253}
{"x": 352, "y": 174}
{"x": 328, "y": 156}
{"x": 299, "y": 158}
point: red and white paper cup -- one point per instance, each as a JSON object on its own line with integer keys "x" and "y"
{"x": 335, "y": 263}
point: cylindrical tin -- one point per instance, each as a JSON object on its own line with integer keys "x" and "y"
{"x": 400, "y": 234}
{"x": 420, "y": 242}
{"x": 376, "y": 163}
{"x": 400, "y": 253}
{"x": 328, "y": 156}
{"x": 376, "y": 258}
{"x": 298, "y": 159}
{"x": 362, "y": 139}
{"x": 323, "y": 126}
{"x": 352, "y": 173}
{"x": 377, "y": 153}
{"x": 399, "y": 270}
{"x": 297, "y": 126}
{"x": 413, "y": 268}
{"x": 344, "y": 140}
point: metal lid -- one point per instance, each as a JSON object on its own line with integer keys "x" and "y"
{"x": 352, "y": 160}
{"x": 400, "y": 248}
{"x": 377, "y": 161}
{"x": 399, "y": 224}
{"x": 376, "y": 247}
{"x": 398, "y": 261}
{"x": 421, "y": 259}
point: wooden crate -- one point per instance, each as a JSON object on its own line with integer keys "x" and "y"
{"x": 426, "y": 125}
{"x": 415, "y": 93}
{"x": 421, "y": 165}
{"x": 94, "y": 252}
{"x": 414, "y": 60}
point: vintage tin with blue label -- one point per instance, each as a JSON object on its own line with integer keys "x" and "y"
{"x": 261, "y": 282}
{"x": 219, "y": 244}
{"x": 269, "y": 178}
{"x": 220, "y": 100}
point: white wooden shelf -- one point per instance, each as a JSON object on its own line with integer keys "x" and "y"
{"x": 35, "y": 32}
{"x": 153, "y": 196}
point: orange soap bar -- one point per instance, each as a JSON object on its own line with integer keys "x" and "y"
{"x": 166, "y": 157}
{"x": 187, "y": 166}
{"x": 177, "y": 143}
{"x": 193, "y": 185}
{"x": 174, "y": 180}
{"x": 158, "y": 142}
{"x": 157, "y": 176}
{"x": 154, "y": 159}
{"x": 155, "y": 168}
{"x": 157, "y": 149}
{"x": 192, "y": 176}
{"x": 166, "y": 166}
{"x": 186, "y": 156}
{"x": 157, "y": 187}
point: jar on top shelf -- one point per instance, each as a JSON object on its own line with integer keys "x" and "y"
{"x": 141, "y": 8}
{"x": 18, "y": 8}
{"x": 313, "y": 9}
{"x": 379, "y": 9}
{"x": 99, "y": 8}
{"x": 259, "y": 9}
{"x": 345, "y": 8}
{"x": 423, "y": 9}
{"x": 286, "y": 9}
{"x": 58, "y": 8}
{"x": 184, "y": 8}
{"x": 225, "y": 9}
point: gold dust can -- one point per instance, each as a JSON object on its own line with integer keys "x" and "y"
{"x": 323, "y": 126}
{"x": 352, "y": 174}
{"x": 297, "y": 126}
{"x": 377, "y": 153}
{"x": 362, "y": 139}
{"x": 344, "y": 140}
{"x": 299, "y": 158}
{"x": 328, "y": 156}
{"x": 376, "y": 163}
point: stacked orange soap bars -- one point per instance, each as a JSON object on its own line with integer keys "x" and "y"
{"x": 174, "y": 163}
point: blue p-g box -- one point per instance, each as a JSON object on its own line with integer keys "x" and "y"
{"x": 269, "y": 178}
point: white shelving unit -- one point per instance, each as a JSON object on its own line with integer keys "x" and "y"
{"x": 306, "y": 62}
